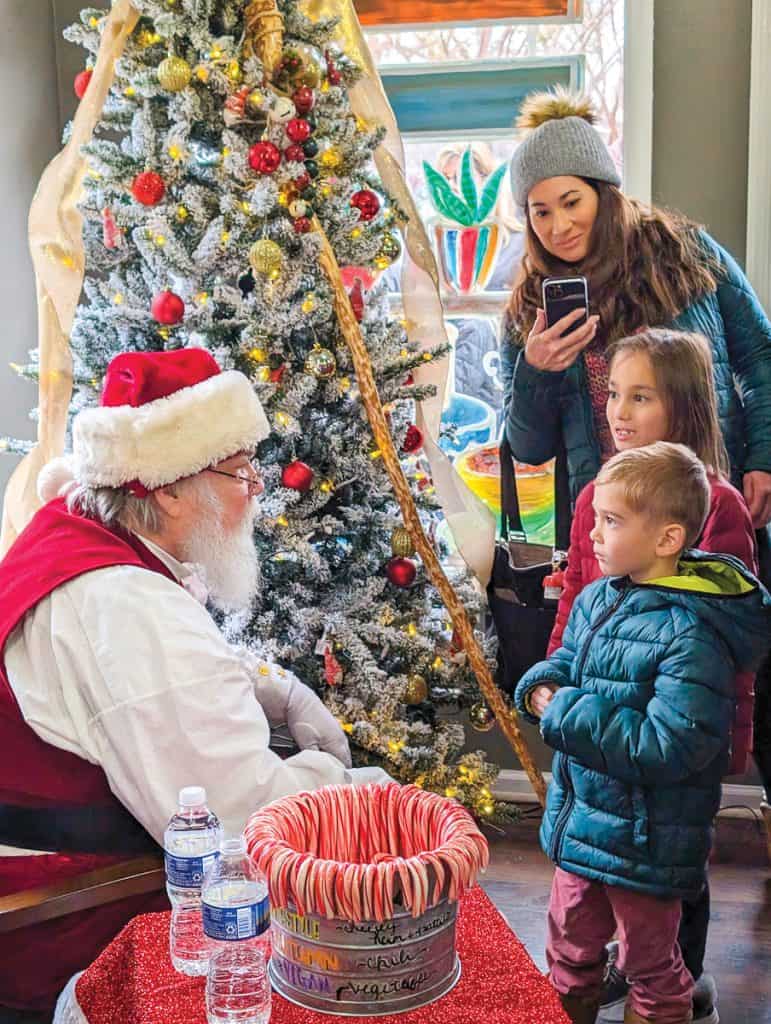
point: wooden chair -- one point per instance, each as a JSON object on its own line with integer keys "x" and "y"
{"x": 93, "y": 889}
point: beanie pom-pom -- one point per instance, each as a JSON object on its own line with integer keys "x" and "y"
{"x": 540, "y": 107}
{"x": 55, "y": 478}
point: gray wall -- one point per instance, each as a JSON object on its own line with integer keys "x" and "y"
{"x": 701, "y": 93}
{"x": 29, "y": 115}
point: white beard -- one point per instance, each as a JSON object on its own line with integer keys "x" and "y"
{"x": 229, "y": 560}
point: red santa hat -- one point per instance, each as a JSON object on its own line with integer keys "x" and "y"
{"x": 162, "y": 416}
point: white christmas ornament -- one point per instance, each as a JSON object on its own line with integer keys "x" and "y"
{"x": 283, "y": 110}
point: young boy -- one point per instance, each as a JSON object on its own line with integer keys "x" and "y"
{"x": 637, "y": 703}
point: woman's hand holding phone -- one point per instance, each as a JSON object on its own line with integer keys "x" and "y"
{"x": 546, "y": 349}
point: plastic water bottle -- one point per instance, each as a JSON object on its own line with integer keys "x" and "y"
{"x": 191, "y": 845}
{"x": 236, "y": 918}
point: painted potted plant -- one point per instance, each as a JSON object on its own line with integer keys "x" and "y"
{"x": 466, "y": 238}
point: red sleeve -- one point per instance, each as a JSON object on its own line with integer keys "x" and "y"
{"x": 728, "y": 529}
{"x": 574, "y": 582}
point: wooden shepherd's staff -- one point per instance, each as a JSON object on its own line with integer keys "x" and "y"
{"x": 264, "y": 35}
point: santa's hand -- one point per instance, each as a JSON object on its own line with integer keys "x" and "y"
{"x": 285, "y": 700}
{"x": 312, "y": 725}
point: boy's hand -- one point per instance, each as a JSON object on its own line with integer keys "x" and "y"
{"x": 540, "y": 697}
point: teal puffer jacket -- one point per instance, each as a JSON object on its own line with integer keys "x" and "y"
{"x": 640, "y": 722}
{"x": 544, "y": 409}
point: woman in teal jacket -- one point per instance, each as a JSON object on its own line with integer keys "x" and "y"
{"x": 645, "y": 268}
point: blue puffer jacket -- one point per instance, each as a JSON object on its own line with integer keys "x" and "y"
{"x": 640, "y": 722}
{"x": 543, "y": 408}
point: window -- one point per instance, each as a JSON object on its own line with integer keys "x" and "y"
{"x": 455, "y": 86}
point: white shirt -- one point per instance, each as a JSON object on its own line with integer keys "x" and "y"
{"x": 124, "y": 668}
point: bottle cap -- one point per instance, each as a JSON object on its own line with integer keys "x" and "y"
{"x": 192, "y": 796}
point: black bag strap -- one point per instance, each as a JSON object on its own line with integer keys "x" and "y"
{"x": 511, "y": 520}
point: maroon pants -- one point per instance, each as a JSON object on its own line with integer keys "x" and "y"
{"x": 584, "y": 916}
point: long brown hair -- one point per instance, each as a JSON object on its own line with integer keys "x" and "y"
{"x": 645, "y": 266}
{"x": 682, "y": 367}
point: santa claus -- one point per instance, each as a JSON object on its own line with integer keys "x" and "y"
{"x": 116, "y": 686}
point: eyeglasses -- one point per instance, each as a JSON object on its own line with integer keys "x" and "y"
{"x": 249, "y": 474}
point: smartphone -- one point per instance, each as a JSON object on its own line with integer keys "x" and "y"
{"x": 561, "y": 295}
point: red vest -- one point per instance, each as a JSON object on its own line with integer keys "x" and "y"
{"x": 46, "y": 791}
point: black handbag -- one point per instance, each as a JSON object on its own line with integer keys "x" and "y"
{"x": 521, "y": 617}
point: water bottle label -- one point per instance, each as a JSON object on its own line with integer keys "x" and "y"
{"x": 187, "y": 872}
{"x": 234, "y": 923}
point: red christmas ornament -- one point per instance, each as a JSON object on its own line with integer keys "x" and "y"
{"x": 277, "y": 374}
{"x": 303, "y": 99}
{"x": 148, "y": 188}
{"x": 333, "y": 76}
{"x": 401, "y": 572}
{"x": 366, "y": 202}
{"x": 264, "y": 157}
{"x": 298, "y": 129}
{"x": 295, "y": 154}
{"x": 409, "y": 380}
{"x": 297, "y": 476}
{"x": 81, "y": 82}
{"x": 413, "y": 440}
{"x": 300, "y": 184}
{"x": 167, "y": 308}
{"x": 302, "y": 226}
{"x": 333, "y": 670}
{"x": 357, "y": 300}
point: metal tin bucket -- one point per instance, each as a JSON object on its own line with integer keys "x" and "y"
{"x": 368, "y": 968}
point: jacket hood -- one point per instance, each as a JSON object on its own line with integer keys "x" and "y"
{"x": 723, "y": 592}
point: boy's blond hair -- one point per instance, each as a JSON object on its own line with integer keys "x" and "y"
{"x": 663, "y": 481}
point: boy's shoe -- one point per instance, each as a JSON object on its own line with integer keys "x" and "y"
{"x": 580, "y": 1009}
{"x": 705, "y": 1001}
{"x": 615, "y": 989}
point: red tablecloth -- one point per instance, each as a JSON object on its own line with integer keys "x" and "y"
{"x": 133, "y": 982}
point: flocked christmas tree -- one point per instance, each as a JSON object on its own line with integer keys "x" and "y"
{"x": 204, "y": 178}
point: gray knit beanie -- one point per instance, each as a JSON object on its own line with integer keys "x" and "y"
{"x": 559, "y": 140}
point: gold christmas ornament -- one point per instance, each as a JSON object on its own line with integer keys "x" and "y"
{"x": 387, "y": 616}
{"x": 481, "y": 716}
{"x": 174, "y": 74}
{"x": 255, "y": 101}
{"x": 389, "y": 252}
{"x": 402, "y": 545}
{"x": 266, "y": 257}
{"x": 331, "y": 158}
{"x": 416, "y": 690}
{"x": 321, "y": 363}
{"x": 313, "y": 65}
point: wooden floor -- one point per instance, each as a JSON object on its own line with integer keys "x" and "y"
{"x": 739, "y": 947}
